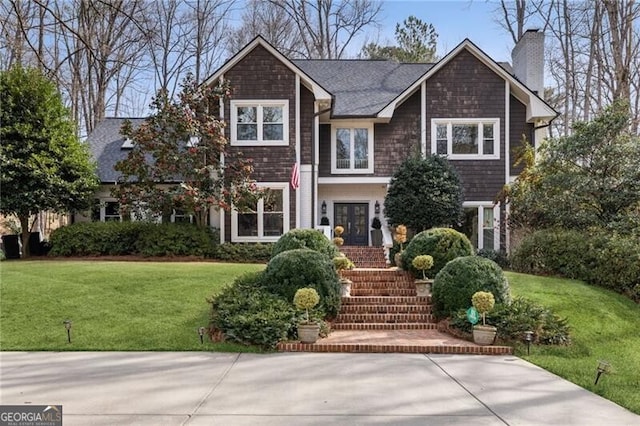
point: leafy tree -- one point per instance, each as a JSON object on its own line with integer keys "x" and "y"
{"x": 424, "y": 193}
{"x": 416, "y": 42}
{"x": 588, "y": 179}
{"x": 44, "y": 164}
{"x": 176, "y": 159}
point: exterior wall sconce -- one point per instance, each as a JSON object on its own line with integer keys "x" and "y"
{"x": 324, "y": 207}
{"x": 376, "y": 207}
{"x": 67, "y": 326}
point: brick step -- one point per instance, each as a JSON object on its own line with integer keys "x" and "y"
{"x": 390, "y": 348}
{"x": 382, "y": 286}
{"x": 385, "y": 309}
{"x": 383, "y": 326}
{"x": 355, "y": 291}
{"x": 377, "y": 274}
{"x": 385, "y": 300}
{"x": 382, "y": 280}
{"x": 370, "y": 264}
{"x": 371, "y": 318}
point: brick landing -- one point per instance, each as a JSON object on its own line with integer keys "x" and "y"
{"x": 397, "y": 341}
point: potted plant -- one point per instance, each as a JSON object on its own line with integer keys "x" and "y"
{"x": 400, "y": 238}
{"x": 305, "y": 299}
{"x": 483, "y": 302}
{"x": 376, "y": 232}
{"x": 337, "y": 231}
{"x": 342, "y": 263}
{"x": 422, "y": 263}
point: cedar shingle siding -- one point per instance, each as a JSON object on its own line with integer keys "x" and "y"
{"x": 517, "y": 128}
{"x": 259, "y": 75}
{"x": 466, "y": 88}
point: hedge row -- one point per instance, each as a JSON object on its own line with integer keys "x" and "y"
{"x": 148, "y": 239}
{"x": 596, "y": 257}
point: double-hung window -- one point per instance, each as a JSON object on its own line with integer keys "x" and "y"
{"x": 259, "y": 122}
{"x": 462, "y": 139}
{"x": 267, "y": 219}
{"x": 351, "y": 148}
{"x": 481, "y": 225}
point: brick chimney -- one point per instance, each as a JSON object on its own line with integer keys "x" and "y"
{"x": 528, "y": 60}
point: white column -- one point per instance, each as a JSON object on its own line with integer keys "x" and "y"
{"x": 304, "y": 197}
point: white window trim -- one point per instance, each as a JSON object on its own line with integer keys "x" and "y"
{"x": 174, "y": 215}
{"x": 481, "y": 205}
{"x": 477, "y": 121}
{"x": 260, "y": 103}
{"x": 103, "y": 209}
{"x": 351, "y": 125}
{"x": 284, "y": 186}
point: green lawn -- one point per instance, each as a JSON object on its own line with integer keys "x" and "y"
{"x": 159, "y": 306}
{"x": 604, "y": 326}
{"x": 115, "y": 306}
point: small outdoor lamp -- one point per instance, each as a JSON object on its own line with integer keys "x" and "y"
{"x": 528, "y": 337}
{"x": 603, "y": 367}
{"x": 67, "y": 326}
{"x": 324, "y": 208}
{"x": 201, "y": 332}
{"x": 376, "y": 207}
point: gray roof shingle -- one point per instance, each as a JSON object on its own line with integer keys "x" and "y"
{"x": 105, "y": 142}
{"x": 362, "y": 87}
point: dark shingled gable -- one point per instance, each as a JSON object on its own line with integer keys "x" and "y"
{"x": 362, "y": 87}
{"x": 105, "y": 142}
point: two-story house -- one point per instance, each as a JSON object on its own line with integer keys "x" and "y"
{"x": 342, "y": 127}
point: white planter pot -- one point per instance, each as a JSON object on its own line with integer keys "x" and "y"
{"x": 423, "y": 287}
{"x": 484, "y": 335}
{"x": 345, "y": 287}
{"x": 308, "y": 333}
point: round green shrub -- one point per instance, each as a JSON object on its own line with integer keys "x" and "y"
{"x": 305, "y": 238}
{"x": 443, "y": 244}
{"x": 248, "y": 314}
{"x": 295, "y": 269}
{"x": 456, "y": 283}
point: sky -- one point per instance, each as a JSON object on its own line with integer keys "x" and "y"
{"x": 453, "y": 20}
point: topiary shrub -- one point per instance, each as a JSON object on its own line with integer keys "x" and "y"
{"x": 456, "y": 283}
{"x": 305, "y": 238}
{"x": 521, "y": 315}
{"x": 295, "y": 269}
{"x": 443, "y": 244}
{"x": 248, "y": 314}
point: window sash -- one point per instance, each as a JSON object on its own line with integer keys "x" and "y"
{"x": 352, "y": 149}
{"x": 466, "y": 139}
{"x": 266, "y": 219}
{"x": 258, "y": 123}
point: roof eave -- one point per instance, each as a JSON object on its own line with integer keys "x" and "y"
{"x": 318, "y": 91}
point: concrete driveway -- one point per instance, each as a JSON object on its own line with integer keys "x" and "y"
{"x": 201, "y": 388}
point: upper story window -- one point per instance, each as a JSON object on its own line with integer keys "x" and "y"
{"x": 461, "y": 139}
{"x": 351, "y": 148}
{"x": 260, "y": 122}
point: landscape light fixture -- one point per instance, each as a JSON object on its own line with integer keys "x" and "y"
{"x": 528, "y": 337}
{"x": 67, "y": 326}
{"x": 201, "y": 332}
{"x": 324, "y": 208}
{"x": 603, "y": 367}
{"x": 376, "y": 207}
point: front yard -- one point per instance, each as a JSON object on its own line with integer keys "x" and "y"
{"x": 159, "y": 306}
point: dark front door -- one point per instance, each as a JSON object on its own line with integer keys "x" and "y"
{"x": 353, "y": 217}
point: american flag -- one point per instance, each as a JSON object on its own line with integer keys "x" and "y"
{"x": 295, "y": 176}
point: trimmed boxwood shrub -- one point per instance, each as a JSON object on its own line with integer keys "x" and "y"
{"x": 596, "y": 257}
{"x": 305, "y": 238}
{"x": 97, "y": 238}
{"x": 456, "y": 283}
{"x": 521, "y": 315}
{"x": 443, "y": 244}
{"x": 132, "y": 238}
{"x": 247, "y": 313}
{"x": 244, "y": 252}
{"x": 175, "y": 239}
{"x": 294, "y": 269}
